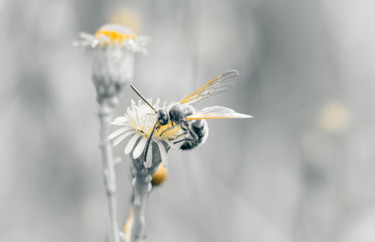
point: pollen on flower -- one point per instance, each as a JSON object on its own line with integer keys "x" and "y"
{"x": 115, "y": 34}
{"x": 138, "y": 123}
{"x": 142, "y": 119}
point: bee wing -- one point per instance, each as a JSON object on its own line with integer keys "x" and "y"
{"x": 217, "y": 85}
{"x": 216, "y": 112}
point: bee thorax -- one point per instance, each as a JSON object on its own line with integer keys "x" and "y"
{"x": 179, "y": 111}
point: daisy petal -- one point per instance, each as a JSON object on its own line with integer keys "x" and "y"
{"x": 129, "y": 147}
{"x": 163, "y": 154}
{"x": 117, "y": 132}
{"x": 121, "y": 138}
{"x": 132, "y": 103}
{"x": 119, "y": 121}
{"x": 139, "y": 149}
{"x": 87, "y": 36}
{"x": 157, "y": 103}
{"x": 148, "y": 162}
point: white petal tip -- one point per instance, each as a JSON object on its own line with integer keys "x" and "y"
{"x": 139, "y": 149}
{"x": 147, "y": 165}
{"x": 163, "y": 154}
{"x": 129, "y": 147}
{"x": 148, "y": 162}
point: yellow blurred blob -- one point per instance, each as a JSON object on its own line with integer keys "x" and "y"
{"x": 335, "y": 117}
{"x": 128, "y": 225}
{"x": 126, "y": 17}
{"x": 160, "y": 176}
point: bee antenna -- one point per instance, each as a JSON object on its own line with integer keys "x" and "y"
{"x": 148, "y": 142}
{"x": 142, "y": 97}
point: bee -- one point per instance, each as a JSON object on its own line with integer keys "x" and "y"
{"x": 193, "y": 122}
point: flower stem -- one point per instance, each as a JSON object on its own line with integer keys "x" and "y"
{"x": 141, "y": 187}
{"x": 105, "y": 116}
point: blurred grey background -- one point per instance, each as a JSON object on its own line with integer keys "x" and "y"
{"x": 301, "y": 170}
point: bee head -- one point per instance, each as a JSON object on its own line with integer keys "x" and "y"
{"x": 163, "y": 116}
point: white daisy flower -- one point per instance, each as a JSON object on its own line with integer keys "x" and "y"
{"x": 114, "y": 35}
{"x": 137, "y": 123}
{"x": 113, "y": 48}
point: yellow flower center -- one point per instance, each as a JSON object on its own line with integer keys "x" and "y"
{"x": 142, "y": 121}
{"x": 166, "y": 132}
{"x": 114, "y": 37}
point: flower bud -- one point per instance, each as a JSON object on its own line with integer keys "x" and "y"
{"x": 114, "y": 47}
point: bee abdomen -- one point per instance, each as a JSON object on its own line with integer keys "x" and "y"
{"x": 200, "y": 129}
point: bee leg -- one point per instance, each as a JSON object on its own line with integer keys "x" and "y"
{"x": 182, "y": 134}
{"x": 184, "y": 140}
{"x": 191, "y": 132}
{"x": 188, "y": 143}
{"x": 178, "y": 136}
{"x": 167, "y": 130}
{"x": 198, "y": 131}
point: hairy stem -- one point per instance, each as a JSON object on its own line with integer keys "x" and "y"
{"x": 141, "y": 187}
{"x": 105, "y": 116}
{"x": 141, "y": 184}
